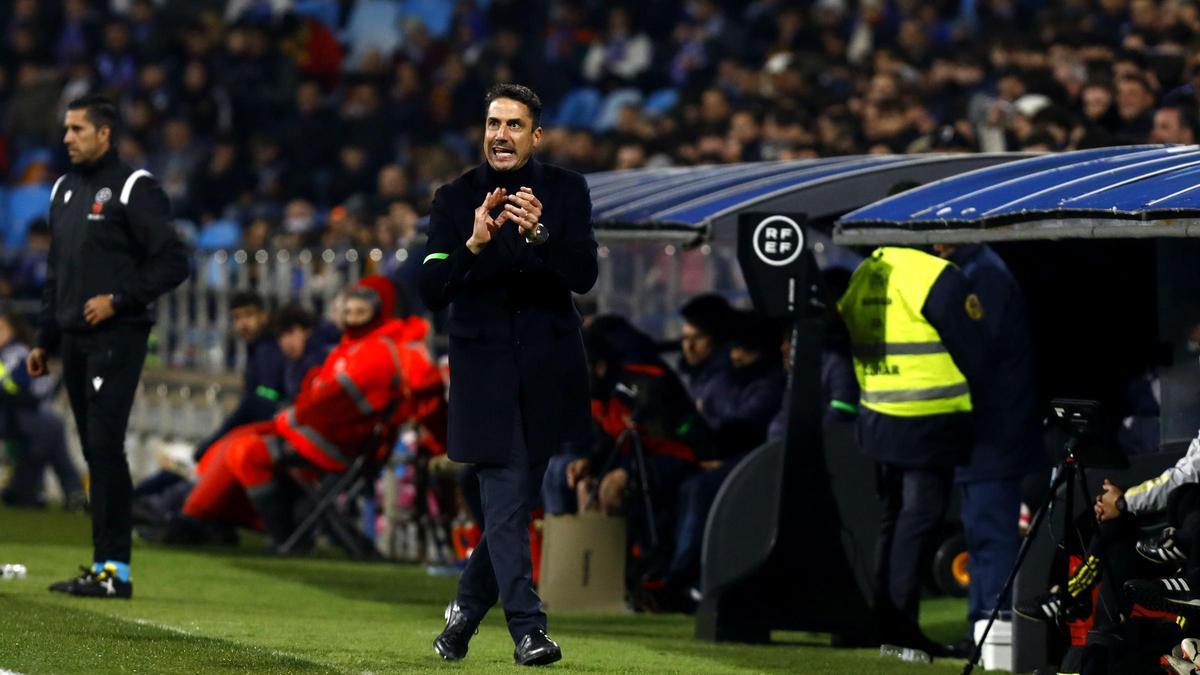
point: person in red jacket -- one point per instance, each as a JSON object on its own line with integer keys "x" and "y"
{"x": 379, "y": 377}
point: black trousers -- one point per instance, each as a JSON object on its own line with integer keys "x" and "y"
{"x": 41, "y": 433}
{"x": 501, "y": 567}
{"x": 101, "y": 372}
{"x": 914, "y": 504}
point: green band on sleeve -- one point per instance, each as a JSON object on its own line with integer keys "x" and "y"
{"x": 684, "y": 428}
{"x": 844, "y": 407}
{"x": 435, "y": 256}
{"x": 267, "y": 392}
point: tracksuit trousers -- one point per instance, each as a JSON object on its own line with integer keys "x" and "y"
{"x": 101, "y": 370}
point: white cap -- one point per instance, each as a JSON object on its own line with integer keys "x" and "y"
{"x": 1031, "y": 104}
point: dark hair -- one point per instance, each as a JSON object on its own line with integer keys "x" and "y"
{"x": 101, "y": 111}
{"x": 1139, "y": 81}
{"x": 612, "y": 338}
{"x": 22, "y": 331}
{"x": 1188, "y": 117}
{"x": 1054, "y": 115}
{"x": 292, "y": 316}
{"x": 709, "y": 313}
{"x": 1137, "y": 58}
{"x": 754, "y": 332}
{"x": 1040, "y": 137}
{"x": 242, "y": 299}
{"x": 520, "y": 94}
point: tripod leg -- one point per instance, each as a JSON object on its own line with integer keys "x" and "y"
{"x": 647, "y": 500}
{"x": 1034, "y": 525}
{"x": 608, "y": 465}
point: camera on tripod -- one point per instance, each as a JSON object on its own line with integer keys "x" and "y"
{"x": 1091, "y": 442}
{"x": 1078, "y": 416}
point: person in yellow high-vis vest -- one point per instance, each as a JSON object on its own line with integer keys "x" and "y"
{"x": 918, "y": 348}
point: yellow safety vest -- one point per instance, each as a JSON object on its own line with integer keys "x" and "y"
{"x": 7, "y": 382}
{"x": 902, "y": 366}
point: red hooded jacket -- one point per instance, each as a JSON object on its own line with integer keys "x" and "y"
{"x": 370, "y": 384}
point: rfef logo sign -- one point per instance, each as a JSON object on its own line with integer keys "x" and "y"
{"x": 778, "y": 240}
{"x": 780, "y": 274}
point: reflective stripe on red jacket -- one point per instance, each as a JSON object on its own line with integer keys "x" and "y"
{"x": 363, "y": 392}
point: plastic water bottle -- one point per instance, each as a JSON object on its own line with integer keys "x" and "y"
{"x": 13, "y": 572}
{"x": 904, "y": 654}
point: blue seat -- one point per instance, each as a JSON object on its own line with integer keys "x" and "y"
{"x": 3, "y": 208}
{"x": 661, "y": 102}
{"x": 219, "y": 235}
{"x": 435, "y": 14}
{"x": 579, "y": 109}
{"x": 325, "y": 11}
{"x": 611, "y": 108}
{"x": 373, "y": 24}
{"x": 29, "y": 156}
{"x": 25, "y": 204}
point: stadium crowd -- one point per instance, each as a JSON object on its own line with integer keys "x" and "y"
{"x": 260, "y": 118}
{"x": 285, "y": 124}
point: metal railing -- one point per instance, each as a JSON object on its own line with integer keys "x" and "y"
{"x": 192, "y": 376}
{"x": 193, "y": 323}
{"x": 645, "y": 280}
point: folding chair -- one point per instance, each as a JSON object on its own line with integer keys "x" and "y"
{"x": 324, "y": 493}
{"x": 358, "y": 476}
{"x": 324, "y": 515}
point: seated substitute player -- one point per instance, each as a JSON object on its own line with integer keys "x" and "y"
{"x": 379, "y": 377}
{"x": 632, "y": 388}
{"x": 1119, "y": 513}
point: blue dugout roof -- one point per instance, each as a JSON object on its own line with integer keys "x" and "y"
{"x": 692, "y": 199}
{"x": 1134, "y": 191}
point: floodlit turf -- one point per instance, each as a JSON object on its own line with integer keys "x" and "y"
{"x": 226, "y": 611}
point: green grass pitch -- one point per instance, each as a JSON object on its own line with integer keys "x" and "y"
{"x": 222, "y": 611}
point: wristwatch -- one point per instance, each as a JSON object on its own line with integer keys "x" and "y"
{"x": 540, "y": 235}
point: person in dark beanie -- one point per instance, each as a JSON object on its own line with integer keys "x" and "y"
{"x": 743, "y": 401}
{"x": 704, "y": 343}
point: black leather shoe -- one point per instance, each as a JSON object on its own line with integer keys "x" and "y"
{"x": 536, "y": 649}
{"x": 451, "y": 645}
{"x": 961, "y": 649}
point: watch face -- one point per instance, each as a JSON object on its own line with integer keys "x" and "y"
{"x": 539, "y": 234}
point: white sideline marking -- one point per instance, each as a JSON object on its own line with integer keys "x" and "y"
{"x": 162, "y": 626}
{"x": 181, "y": 631}
{"x": 7, "y": 672}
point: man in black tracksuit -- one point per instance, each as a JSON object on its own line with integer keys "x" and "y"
{"x": 112, "y": 253}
